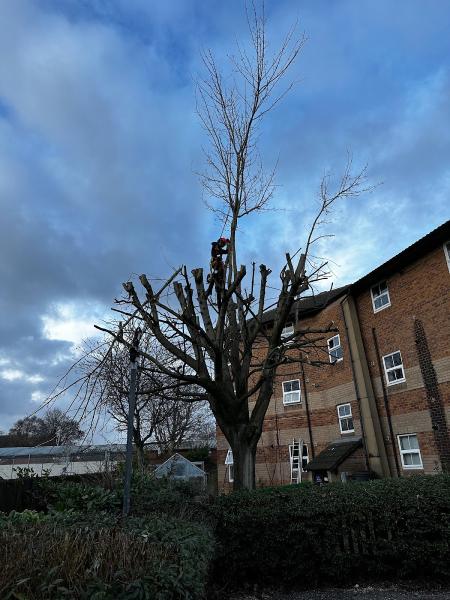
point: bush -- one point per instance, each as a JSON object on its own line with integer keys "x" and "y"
{"x": 60, "y": 495}
{"x": 73, "y": 555}
{"x": 176, "y": 498}
{"x": 148, "y": 496}
{"x": 300, "y": 535}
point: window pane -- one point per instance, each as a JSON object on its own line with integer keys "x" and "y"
{"x": 344, "y": 410}
{"x": 383, "y": 286}
{"x": 347, "y": 424}
{"x": 397, "y": 359}
{"x": 333, "y": 342}
{"x": 398, "y": 373}
{"x": 407, "y": 458}
{"x": 415, "y": 458}
{"x": 413, "y": 443}
{"x": 388, "y": 361}
{"x": 337, "y": 353}
{"x": 287, "y": 330}
{"x": 404, "y": 442}
{"x": 291, "y": 386}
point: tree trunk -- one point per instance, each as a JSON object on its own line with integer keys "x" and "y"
{"x": 140, "y": 455}
{"x": 244, "y": 455}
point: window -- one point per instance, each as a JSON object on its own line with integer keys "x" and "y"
{"x": 447, "y": 253}
{"x": 291, "y": 392}
{"x": 335, "y": 349}
{"x": 380, "y": 296}
{"x": 409, "y": 451}
{"x": 393, "y": 367}
{"x": 345, "y": 418}
{"x": 230, "y": 465}
{"x": 305, "y": 457}
{"x": 287, "y": 330}
{"x": 294, "y": 458}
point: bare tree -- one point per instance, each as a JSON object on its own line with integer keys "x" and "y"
{"x": 159, "y": 417}
{"x": 221, "y": 343}
{"x": 54, "y": 428}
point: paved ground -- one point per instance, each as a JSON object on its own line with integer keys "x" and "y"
{"x": 354, "y": 593}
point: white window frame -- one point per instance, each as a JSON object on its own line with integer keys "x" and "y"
{"x": 305, "y": 447}
{"x": 341, "y": 418}
{"x": 415, "y": 451}
{"x": 446, "y": 247}
{"x": 395, "y": 367}
{"x": 288, "y": 393}
{"x": 332, "y": 359}
{"x": 287, "y": 331}
{"x": 375, "y": 309}
{"x": 229, "y": 462}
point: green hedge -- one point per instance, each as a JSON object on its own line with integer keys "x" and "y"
{"x": 76, "y": 555}
{"x": 301, "y": 535}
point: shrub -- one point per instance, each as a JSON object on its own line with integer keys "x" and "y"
{"x": 60, "y": 495}
{"x": 304, "y": 534}
{"x": 80, "y": 556}
{"x": 149, "y": 495}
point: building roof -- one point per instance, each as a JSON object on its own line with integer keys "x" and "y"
{"x": 48, "y": 451}
{"x": 429, "y": 242}
{"x": 310, "y": 304}
{"x": 178, "y": 467}
{"x": 307, "y": 305}
{"x": 334, "y": 454}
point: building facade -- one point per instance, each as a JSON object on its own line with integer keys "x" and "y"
{"x": 382, "y": 406}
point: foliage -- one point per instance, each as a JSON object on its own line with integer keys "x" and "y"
{"x": 299, "y": 535}
{"x": 25, "y": 472}
{"x": 197, "y": 454}
{"x": 55, "y": 428}
{"x": 70, "y": 495}
{"x": 150, "y": 495}
{"x": 73, "y": 555}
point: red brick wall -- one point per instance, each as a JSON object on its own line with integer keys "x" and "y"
{"x": 420, "y": 291}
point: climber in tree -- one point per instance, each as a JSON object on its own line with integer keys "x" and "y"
{"x": 216, "y": 277}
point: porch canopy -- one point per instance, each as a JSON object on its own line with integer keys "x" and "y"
{"x": 333, "y": 455}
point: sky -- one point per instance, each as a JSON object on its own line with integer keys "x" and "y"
{"x": 101, "y": 146}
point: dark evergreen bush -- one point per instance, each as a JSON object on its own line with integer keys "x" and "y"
{"x": 76, "y": 555}
{"x": 301, "y": 535}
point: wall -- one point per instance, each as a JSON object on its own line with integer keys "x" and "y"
{"x": 420, "y": 298}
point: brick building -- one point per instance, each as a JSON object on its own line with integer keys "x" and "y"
{"x": 383, "y": 404}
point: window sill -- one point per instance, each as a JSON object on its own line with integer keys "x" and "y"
{"x": 347, "y": 432}
{"x": 292, "y": 403}
{"x": 377, "y": 310}
{"x": 391, "y": 383}
{"x": 412, "y": 468}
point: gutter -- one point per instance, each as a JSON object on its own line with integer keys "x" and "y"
{"x": 355, "y": 385}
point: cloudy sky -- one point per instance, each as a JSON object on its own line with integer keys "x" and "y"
{"x": 100, "y": 145}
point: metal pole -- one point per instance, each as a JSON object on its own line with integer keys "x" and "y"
{"x": 131, "y": 407}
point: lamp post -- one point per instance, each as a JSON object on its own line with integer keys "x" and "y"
{"x": 134, "y": 352}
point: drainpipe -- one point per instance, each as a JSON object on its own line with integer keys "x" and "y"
{"x": 355, "y": 385}
{"x": 386, "y": 401}
{"x": 308, "y": 415}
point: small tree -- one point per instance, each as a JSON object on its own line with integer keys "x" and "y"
{"x": 55, "y": 428}
{"x": 221, "y": 345}
{"x": 160, "y": 417}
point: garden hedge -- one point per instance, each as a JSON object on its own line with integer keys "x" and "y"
{"x": 75, "y": 555}
{"x": 303, "y": 535}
